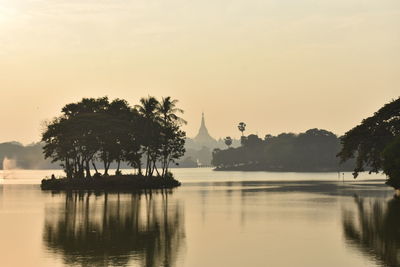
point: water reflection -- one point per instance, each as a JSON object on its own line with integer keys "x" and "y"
{"x": 374, "y": 228}
{"x": 115, "y": 229}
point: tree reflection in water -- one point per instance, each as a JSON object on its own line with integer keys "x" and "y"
{"x": 376, "y": 229}
{"x": 116, "y": 229}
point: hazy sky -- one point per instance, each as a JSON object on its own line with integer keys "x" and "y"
{"x": 278, "y": 65}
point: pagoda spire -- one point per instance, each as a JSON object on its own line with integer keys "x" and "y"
{"x": 203, "y": 123}
{"x": 203, "y": 136}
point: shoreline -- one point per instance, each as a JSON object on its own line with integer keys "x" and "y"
{"x": 250, "y": 169}
{"x": 112, "y": 182}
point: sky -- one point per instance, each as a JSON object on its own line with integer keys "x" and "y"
{"x": 277, "y": 65}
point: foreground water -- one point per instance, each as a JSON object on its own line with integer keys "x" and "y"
{"x": 213, "y": 219}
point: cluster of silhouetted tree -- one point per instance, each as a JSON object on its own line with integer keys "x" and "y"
{"x": 314, "y": 150}
{"x": 99, "y": 130}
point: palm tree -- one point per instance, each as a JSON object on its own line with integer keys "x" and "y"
{"x": 228, "y": 141}
{"x": 148, "y": 109}
{"x": 168, "y": 112}
{"x": 242, "y": 127}
{"x": 167, "y": 109}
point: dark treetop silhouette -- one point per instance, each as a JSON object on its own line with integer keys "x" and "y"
{"x": 228, "y": 141}
{"x": 314, "y": 150}
{"x": 95, "y": 130}
{"x": 375, "y": 143}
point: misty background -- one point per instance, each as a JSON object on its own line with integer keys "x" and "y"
{"x": 280, "y": 66}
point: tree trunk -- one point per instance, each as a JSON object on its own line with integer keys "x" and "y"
{"x": 108, "y": 166}
{"x": 75, "y": 171}
{"x": 118, "y": 165}
{"x": 148, "y": 163}
{"x": 68, "y": 168}
{"x": 139, "y": 167}
{"x": 88, "y": 175}
{"x": 155, "y": 168}
{"x": 105, "y": 165}
{"x": 82, "y": 168}
{"x": 94, "y": 167}
{"x": 151, "y": 168}
{"x": 163, "y": 167}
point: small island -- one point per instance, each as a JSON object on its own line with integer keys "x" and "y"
{"x": 97, "y": 132}
{"x": 111, "y": 183}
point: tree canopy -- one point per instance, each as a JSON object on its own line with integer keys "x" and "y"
{"x": 367, "y": 141}
{"x": 314, "y": 150}
{"x": 391, "y": 162}
{"x": 94, "y": 130}
{"x": 228, "y": 141}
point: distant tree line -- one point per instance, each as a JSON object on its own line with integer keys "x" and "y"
{"x": 201, "y": 154}
{"x": 99, "y": 130}
{"x": 24, "y": 157}
{"x": 314, "y": 150}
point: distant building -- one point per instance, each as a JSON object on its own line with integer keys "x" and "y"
{"x": 203, "y": 137}
{"x": 200, "y": 147}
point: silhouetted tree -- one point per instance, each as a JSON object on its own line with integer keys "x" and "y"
{"x": 228, "y": 141}
{"x": 367, "y": 141}
{"x": 96, "y": 129}
{"x": 242, "y": 127}
{"x": 172, "y": 146}
{"x": 314, "y": 150}
{"x": 391, "y": 162}
{"x": 148, "y": 109}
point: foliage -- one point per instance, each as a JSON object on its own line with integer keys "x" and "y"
{"x": 314, "y": 150}
{"x": 242, "y": 127}
{"x": 228, "y": 141}
{"x": 367, "y": 141}
{"x": 391, "y": 162}
{"x": 99, "y": 130}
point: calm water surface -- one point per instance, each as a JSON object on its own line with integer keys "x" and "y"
{"x": 213, "y": 219}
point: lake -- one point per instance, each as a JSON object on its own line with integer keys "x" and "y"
{"x": 213, "y": 219}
